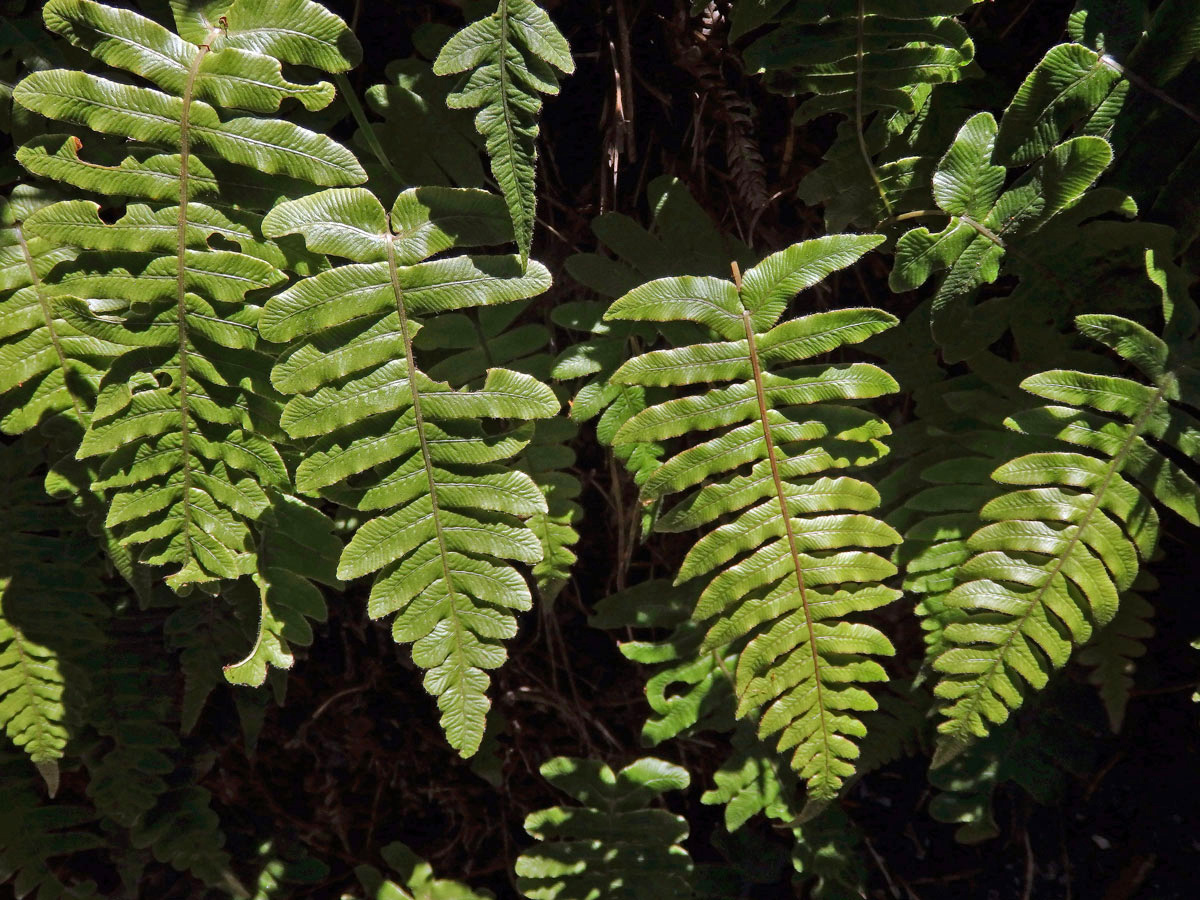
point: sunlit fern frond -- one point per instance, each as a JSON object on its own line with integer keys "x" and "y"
{"x": 445, "y": 512}
{"x": 782, "y": 560}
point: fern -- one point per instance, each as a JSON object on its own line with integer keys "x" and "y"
{"x": 49, "y": 607}
{"x": 298, "y": 548}
{"x": 184, "y": 415}
{"x": 1061, "y": 547}
{"x": 985, "y": 219}
{"x": 681, "y": 239}
{"x": 858, "y": 58}
{"x": 423, "y": 140}
{"x": 469, "y": 344}
{"x": 611, "y": 845}
{"x": 1036, "y": 759}
{"x": 512, "y": 56}
{"x": 138, "y": 778}
{"x": 801, "y": 668}
{"x": 855, "y": 56}
{"x": 753, "y": 780}
{"x": 1112, "y": 653}
{"x": 413, "y": 452}
{"x": 32, "y": 833}
{"x": 687, "y": 691}
{"x": 416, "y": 879}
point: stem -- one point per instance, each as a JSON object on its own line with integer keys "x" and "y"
{"x": 185, "y": 424}
{"x": 787, "y": 518}
{"x": 1141, "y": 83}
{"x": 427, "y": 460}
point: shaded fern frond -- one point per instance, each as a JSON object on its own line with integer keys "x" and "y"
{"x": 425, "y": 141}
{"x": 185, "y": 418}
{"x": 298, "y": 548}
{"x": 754, "y": 779}
{"x": 1113, "y": 651}
{"x": 855, "y": 56}
{"x": 1072, "y": 534}
{"x": 49, "y": 607}
{"x": 511, "y": 56}
{"x": 688, "y": 691}
{"x": 33, "y": 832}
{"x": 785, "y": 567}
{"x": 611, "y": 844}
{"x": 682, "y": 239}
{"x": 48, "y": 370}
{"x": 138, "y": 777}
{"x": 444, "y": 511}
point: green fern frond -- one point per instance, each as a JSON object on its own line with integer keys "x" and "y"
{"x": 753, "y": 780}
{"x": 138, "y": 779}
{"x": 1063, "y": 545}
{"x": 611, "y": 844}
{"x": 425, "y": 141}
{"x": 1036, "y": 759}
{"x": 511, "y": 56}
{"x": 1113, "y": 652}
{"x": 682, "y": 239}
{"x": 827, "y": 855}
{"x": 411, "y": 452}
{"x": 985, "y": 219}
{"x": 548, "y": 459}
{"x": 785, "y": 567}
{"x": 47, "y": 368}
{"x": 476, "y": 340}
{"x": 185, "y": 416}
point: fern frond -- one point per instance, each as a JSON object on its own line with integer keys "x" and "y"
{"x": 762, "y": 445}
{"x": 688, "y": 691}
{"x": 827, "y": 855}
{"x": 611, "y": 844}
{"x": 754, "y": 779}
{"x": 298, "y": 548}
{"x": 137, "y": 779}
{"x": 410, "y": 451}
{"x": 1036, "y": 759}
{"x": 49, "y": 606}
{"x": 425, "y": 141}
{"x": 511, "y": 56}
{"x": 984, "y": 220}
{"x": 855, "y": 56}
{"x": 682, "y": 239}
{"x": 33, "y": 832}
{"x": 1063, "y": 545}
{"x": 416, "y": 879}
{"x": 1113, "y": 652}
{"x": 48, "y": 370}
{"x": 185, "y": 417}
